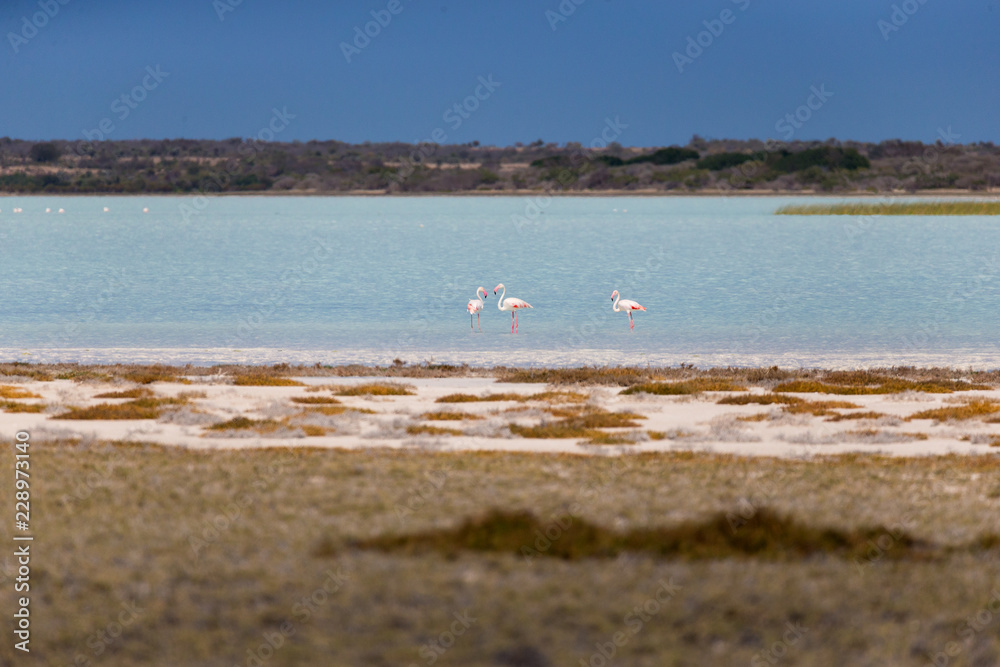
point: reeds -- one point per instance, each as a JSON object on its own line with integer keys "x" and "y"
{"x": 896, "y": 208}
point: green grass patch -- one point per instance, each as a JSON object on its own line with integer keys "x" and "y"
{"x": 684, "y": 387}
{"x": 973, "y": 409}
{"x": 896, "y": 208}
{"x": 765, "y": 534}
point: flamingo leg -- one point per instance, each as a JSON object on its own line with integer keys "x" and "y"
{"x": 470, "y": 321}
{"x": 479, "y": 323}
{"x": 631, "y": 322}
{"x": 517, "y": 325}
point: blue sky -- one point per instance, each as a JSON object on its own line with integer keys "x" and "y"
{"x": 928, "y": 65}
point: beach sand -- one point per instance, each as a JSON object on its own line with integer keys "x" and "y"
{"x": 695, "y": 422}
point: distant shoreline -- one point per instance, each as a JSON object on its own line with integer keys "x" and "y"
{"x": 991, "y": 194}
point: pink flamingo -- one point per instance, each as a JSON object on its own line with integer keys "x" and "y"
{"x": 475, "y": 307}
{"x": 620, "y": 304}
{"x": 510, "y": 304}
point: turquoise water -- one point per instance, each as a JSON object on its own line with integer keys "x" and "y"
{"x": 335, "y": 279}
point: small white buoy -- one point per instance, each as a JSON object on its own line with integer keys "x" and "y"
{"x": 106, "y": 209}
{"x": 62, "y": 210}
{"x": 624, "y": 210}
{"x": 48, "y": 210}
{"x": 145, "y": 210}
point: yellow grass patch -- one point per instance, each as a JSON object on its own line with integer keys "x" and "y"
{"x": 693, "y": 386}
{"x": 758, "y": 399}
{"x": 14, "y": 406}
{"x": 315, "y": 400}
{"x": 138, "y": 392}
{"x": 8, "y": 391}
{"x": 241, "y": 423}
{"x": 448, "y": 416}
{"x": 972, "y": 409}
{"x": 263, "y": 380}
{"x": 141, "y": 408}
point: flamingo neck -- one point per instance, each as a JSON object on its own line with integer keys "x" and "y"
{"x": 500, "y": 302}
{"x": 614, "y": 306}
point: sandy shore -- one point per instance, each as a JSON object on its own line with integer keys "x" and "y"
{"x": 664, "y": 422}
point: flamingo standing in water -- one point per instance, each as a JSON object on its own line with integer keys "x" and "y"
{"x": 511, "y": 304}
{"x": 619, "y": 304}
{"x": 476, "y": 306}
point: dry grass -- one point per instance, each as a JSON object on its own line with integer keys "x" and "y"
{"x": 315, "y": 400}
{"x": 448, "y": 416}
{"x": 263, "y": 380}
{"x": 312, "y": 430}
{"x": 245, "y": 423}
{"x": 819, "y": 408}
{"x": 895, "y": 208}
{"x": 422, "y": 429}
{"x": 470, "y": 398}
{"x": 614, "y": 439}
{"x": 764, "y": 534}
{"x": 376, "y": 389}
{"x": 869, "y": 386}
{"x": 857, "y": 415}
{"x": 758, "y": 399}
{"x": 8, "y": 391}
{"x": 140, "y": 408}
{"x": 868, "y": 433}
{"x": 138, "y": 392}
{"x": 694, "y": 386}
{"x": 759, "y": 417}
{"x": 973, "y": 409}
{"x": 216, "y": 548}
{"x": 14, "y": 406}
{"x": 584, "y": 425}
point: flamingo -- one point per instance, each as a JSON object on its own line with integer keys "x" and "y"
{"x": 620, "y": 304}
{"x": 511, "y": 304}
{"x": 476, "y": 306}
